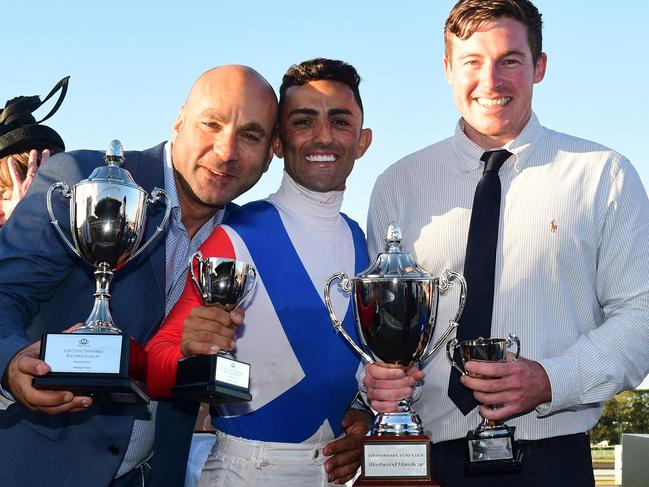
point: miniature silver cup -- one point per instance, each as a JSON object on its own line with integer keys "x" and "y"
{"x": 220, "y": 281}
{"x": 490, "y": 447}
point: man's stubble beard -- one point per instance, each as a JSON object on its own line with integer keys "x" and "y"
{"x": 191, "y": 195}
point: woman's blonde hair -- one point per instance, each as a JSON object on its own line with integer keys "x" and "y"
{"x": 5, "y": 178}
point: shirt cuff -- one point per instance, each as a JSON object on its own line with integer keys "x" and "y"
{"x": 416, "y": 393}
{"x": 6, "y": 394}
{"x": 563, "y": 382}
{"x": 360, "y": 402}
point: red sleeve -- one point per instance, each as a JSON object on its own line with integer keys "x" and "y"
{"x": 163, "y": 350}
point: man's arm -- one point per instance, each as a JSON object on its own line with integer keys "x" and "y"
{"x": 615, "y": 355}
{"x": 33, "y": 262}
{"x": 191, "y": 327}
{"x": 381, "y": 213}
{"x": 345, "y": 453}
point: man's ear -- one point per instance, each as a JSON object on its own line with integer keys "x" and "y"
{"x": 278, "y": 148}
{"x": 539, "y": 67}
{"x": 178, "y": 125}
{"x": 448, "y": 70}
{"x": 364, "y": 142}
{"x": 269, "y": 154}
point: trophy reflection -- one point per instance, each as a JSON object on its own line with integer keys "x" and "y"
{"x": 220, "y": 281}
{"x": 395, "y": 305}
{"x": 490, "y": 447}
{"x": 107, "y": 220}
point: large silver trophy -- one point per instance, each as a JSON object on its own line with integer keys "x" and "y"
{"x": 490, "y": 447}
{"x": 225, "y": 282}
{"x": 107, "y": 220}
{"x": 395, "y": 305}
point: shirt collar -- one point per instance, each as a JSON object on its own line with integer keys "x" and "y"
{"x": 311, "y": 208}
{"x": 170, "y": 183}
{"x": 521, "y": 146}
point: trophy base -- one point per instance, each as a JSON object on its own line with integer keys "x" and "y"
{"x": 113, "y": 389}
{"x": 511, "y": 465}
{"x": 400, "y": 423}
{"x": 396, "y": 460}
{"x": 207, "y": 378}
{"x": 107, "y": 367}
{"x": 492, "y": 450}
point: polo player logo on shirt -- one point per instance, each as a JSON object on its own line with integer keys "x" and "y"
{"x": 553, "y": 226}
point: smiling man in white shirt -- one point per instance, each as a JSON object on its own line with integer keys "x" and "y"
{"x": 570, "y": 265}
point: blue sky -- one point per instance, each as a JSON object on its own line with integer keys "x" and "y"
{"x": 132, "y": 63}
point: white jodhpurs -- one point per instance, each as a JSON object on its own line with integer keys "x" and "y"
{"x": 237, "y": 462}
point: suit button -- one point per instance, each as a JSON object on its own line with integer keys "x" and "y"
{"x": 113, "y": 449}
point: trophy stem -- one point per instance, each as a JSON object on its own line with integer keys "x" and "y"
{"x": 100, "y": 319}
{"x": 486, "y": 425}
{"x": 402, "y": 422}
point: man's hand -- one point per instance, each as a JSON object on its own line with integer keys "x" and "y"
{"x": 345, "y": 454}
{"x": 209, "y": 329}
{"x": 512, "y": 387}
{"x": 388, "y": 384}
{"x": 26, "y": 365}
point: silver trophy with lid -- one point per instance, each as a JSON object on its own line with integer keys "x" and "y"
{"x": 107, "y": 221}
{"x": 395, "y": 304}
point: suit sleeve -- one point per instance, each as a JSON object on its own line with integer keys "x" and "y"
{"x": 163, "y": 350}
{"x": 33, "y": 258}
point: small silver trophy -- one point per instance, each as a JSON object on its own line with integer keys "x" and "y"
{"x": 491, "y": 446}
{"x": 107, "y": 220}
{"x": 220, "y": 281}
{"x": 395, "y": 305}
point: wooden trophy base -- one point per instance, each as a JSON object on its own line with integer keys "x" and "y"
{"x": 396, "y": 461}
{"x": 81, "y": 366}
{"x": 201, "y": 378}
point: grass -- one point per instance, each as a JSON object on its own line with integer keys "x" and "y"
{"x": 603, "y": 457}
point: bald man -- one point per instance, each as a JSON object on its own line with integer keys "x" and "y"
{"x": 220, "y": 146}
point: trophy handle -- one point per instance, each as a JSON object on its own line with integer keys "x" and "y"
{"x": 446, "y": 281}
{"x": 513, "y": 339}
{"x": 452, "y": 325}
{"x": 450, "y": 351}
{"x": 153, "y": 198}
{"x": 64, "y": 189}
{"x": 196, "y": 255}
{"x": 251, "y": 272}
{"x": 346, "y": 286}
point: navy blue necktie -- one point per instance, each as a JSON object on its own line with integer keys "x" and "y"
{"x": 479, "y": 267}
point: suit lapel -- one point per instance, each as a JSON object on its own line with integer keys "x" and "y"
{"x": 149, "y": 173}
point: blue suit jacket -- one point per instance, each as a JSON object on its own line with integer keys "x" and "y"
{"x": 44, "y": 287}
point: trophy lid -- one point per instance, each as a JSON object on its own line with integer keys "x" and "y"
{"x": 394, "y": 263}
{"x": 112, "y": 172}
